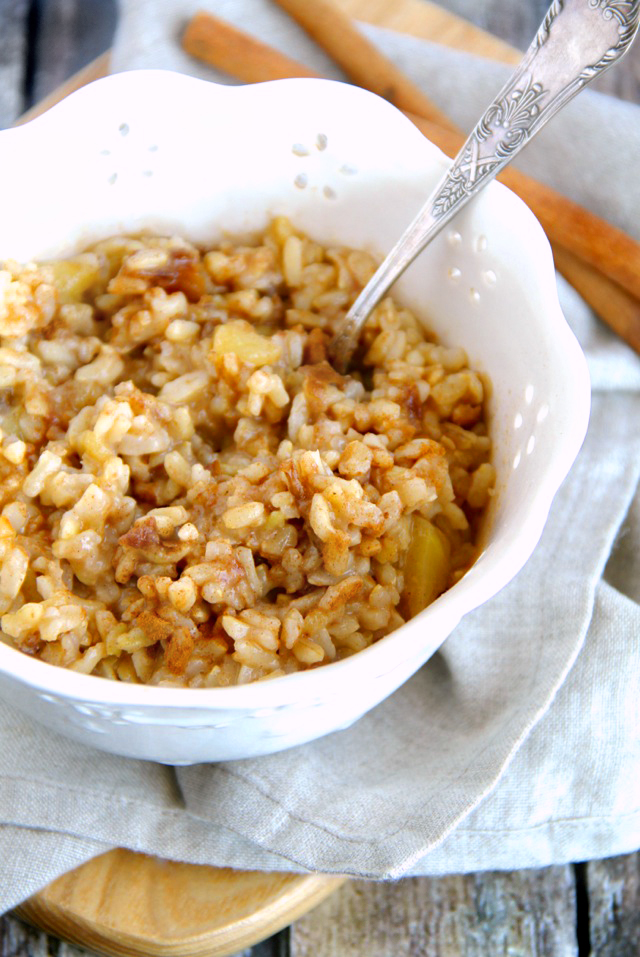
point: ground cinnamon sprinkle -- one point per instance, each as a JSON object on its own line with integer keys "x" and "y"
{"x": 190, "y": 494}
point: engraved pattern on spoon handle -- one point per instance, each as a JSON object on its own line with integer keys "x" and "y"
{"x": 577, "y": 41}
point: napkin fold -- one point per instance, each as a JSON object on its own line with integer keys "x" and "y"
{"x": 517, "y": 745}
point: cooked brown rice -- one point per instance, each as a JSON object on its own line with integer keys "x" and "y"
{"x": 191, "y": 495}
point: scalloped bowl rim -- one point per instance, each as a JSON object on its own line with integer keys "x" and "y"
{"x": 472, "y": 590}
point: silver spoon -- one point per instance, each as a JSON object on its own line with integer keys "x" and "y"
{"x": 577, "y": 41}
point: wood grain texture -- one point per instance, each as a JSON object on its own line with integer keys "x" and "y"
{"x": 132, "y": 905}
{"x": 518, "y": 22}
{"x": 18, "y": 939}
{"x": 70, "y": 34}
{"x": 92, "y": 71}
{"x": 431, "y": 21}
{"x": 527, "y": 913}
{"x": 13, "y": 59}
{"x": 613, "y": 889}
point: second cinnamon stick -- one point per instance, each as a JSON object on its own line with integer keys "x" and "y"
{"x": 602, "y": 262}
{"x": 224, "y": 47}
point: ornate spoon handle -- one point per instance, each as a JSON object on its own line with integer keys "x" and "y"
{"x": 576, "y": 42}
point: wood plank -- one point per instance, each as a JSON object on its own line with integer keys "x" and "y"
{"x": 613, "y": 888}
{"x": 529, "y": 913}
{"x": 18, "y": 939}
{"x": 71, "y": 33}
{"x": 92, "y": 71}
{"x": 13, "y": 58}
{"x": 430, "y": 21}
{"x": 518, "y": 22}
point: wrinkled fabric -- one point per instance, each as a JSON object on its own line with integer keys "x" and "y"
{"x": 517, "y": 745}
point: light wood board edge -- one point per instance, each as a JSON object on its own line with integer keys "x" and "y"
{"x": 124, "y": 904}
{"x": 92, "y": 71}
{"x": 428, "y": 21}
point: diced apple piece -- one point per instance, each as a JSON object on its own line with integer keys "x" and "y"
{"x": 426, "y": 568}
{"x": 73, "y": 277}
{"x": 248, "y": 345}
{"x": 274, "y": 522}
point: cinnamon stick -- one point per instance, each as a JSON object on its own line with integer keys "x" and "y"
{"x": 593, "y": 241}
{"x": 230, "y": 50}
{"x": 609, "y": 282}
{"x": 363, "y": 63}
{"x": 606, "y": 298}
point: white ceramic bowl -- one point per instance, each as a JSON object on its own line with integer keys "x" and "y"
{"x": 165, "y": 151}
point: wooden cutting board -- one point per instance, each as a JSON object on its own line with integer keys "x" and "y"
{"x": 131, "y": 905}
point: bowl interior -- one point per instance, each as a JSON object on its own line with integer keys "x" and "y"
{"x": 349, "y": 169}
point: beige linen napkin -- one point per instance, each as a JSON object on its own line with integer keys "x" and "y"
{"x": 487, "y": 757}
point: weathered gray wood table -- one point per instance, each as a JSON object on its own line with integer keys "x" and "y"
{"x": 568, "y": 911}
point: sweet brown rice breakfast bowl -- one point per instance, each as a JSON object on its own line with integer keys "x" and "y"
{"x": 213, "y": 544}
{"x": 192, "y": 496}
